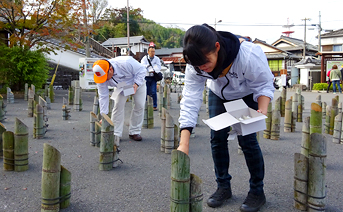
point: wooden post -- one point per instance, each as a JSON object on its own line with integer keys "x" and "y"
{"x": 334, "y": 112}
{"x": 40, "y": 130}
{"x": 305, "y": 136}
{"x": 163, "y": 128}
{"x": 275, "y": 128}
{"x": 169, "y": 134}
{"x": 196, "y": 195}
{"x": 92, "y": 118}
{"x": 180, "y": 182}
{"x": 336, "y": 138}
{"x": 150, "y": 113}
{"x": 327, "y": 119}
{"x": 266, "y": 132}
{"x": 316, "y": 119}
{"x": 324, "y": 110}
{"x": 317, "y": 169}
{"x": 300, "y": 181}
{"x": 21, "y": 146}
{"x": 8, "y": 148}
{"x": 294, "y": 111}
{"x": 2, "y": 130}
{"x": 288, "y": 116}
{"x": 50, "y": 184}
{"x": 106, "y": 144}
{"x": 65, "y": 187}
{"x": 283, "y": 102}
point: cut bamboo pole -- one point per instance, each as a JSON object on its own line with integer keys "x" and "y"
{"x": 8, "y": 148}
{"x": 51, "y": 94}
{"x": 71, "y": 95}
{"x": 163, "y": 128}
{"x": 26, "y": 92}
{"x": 334, "y": 112}
{"x": 169, "y": 134}
{"x": 65, "y": 187}
{"x": 2, "y": 113}
{"x": 300, "y": 113}
{"x": 165, "y": 100}
{"x": 278, "y": 104}
{"x": 160, "y": 101}
{"x": 65, "y": 112}
{"x": 110, "y": 107}
{"x": 204, "y": 93}
{"x": 316, "y": 119}
{"x": 51, "y": 176}
{"x": 40, "y": 131}
{"x": 176, "y": 136}
{"x": 2, "y": 130}
{"x": 324, "y": 109}
{"x": 305, "y": 136}
{"x": 97, "y": 134}
{"x": 288, "y": 116}
{"x": 327, "y": 119}
{"x": 145, "y": 119}
{"x": 317, "y": 171}
{"x": 196, "y": 196}
{"x": 21, "y": 146}
{"x": 300, "y": 181}
{"x": 336, "y": 138}
{"x": 106, "y": 144}
{"x": 150, "y": 113}
{"x": 168, "y": 98}
{"x": 266, "y": 132}
{"x": 48, "y": 103}
{"x": 95, "y": 105}
{"x": 76, "y": 103}
{"x": 30, "y": 103}
{"x": 275, "y": 128}
{"x": 92, "y": 120}
{"x": 340, "y": 107}
{"x": 319, "y": 99}
{"x": 294, "y": 111}
{"x": 283, "y": 102}
{"x": 180, "y": 182}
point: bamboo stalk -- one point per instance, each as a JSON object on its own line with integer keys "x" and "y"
{"x": 169, "y": 134}
{"x": 266, "y": 132}
{"x": 71, "y": 95}
{"x": 76, "y": 103}
{"x": 150, "y": 113}
{"x": 300, "y": 181}
{"x": 316, "y": 119}
{"x": 278, "y": 104}
{"x": 336, "y": 138}
{"x": 26, "y": 92}
{"x": 317, "y": 171}
{"x": 160, "y": 100}
{"x": 65, "y": 187}
{"x": 294, "y": 111}
{"x": 334, "y": 112}
{"x": 176, "y": 136}
{"x": 110, "y": 107}
{"x": 283, "y": 102}
{"x": 163, "y": 128}
{"x": 204, "y": 93}
{"x": 180, "y": 182}
{"x": 300, "y": 113}
{"x": 340, "y": 107}
{"x": 165, "y": 100}
{"x": 97, "y": 134}
{"x": 324, "y": 109}
{"x": 2, "y": 130}
{"x": 51, "y": 175}
{"x": 48, "y": 102}
{"x": 95, "y": 105}
{"x": 65, "y": 112}
{"x": 327, "y": 119}
{"x": 275, "y": 128}
{"x": 8, "y": 148}
{"x": 145, "y": 119}
{"x": 319, "y": 99}
{"x": 196, "y": 195}
{"x": 288, "y": 116}
{"x": 21, "y": 146}
{"x": 92, "y": 118}
{"x": 2, "y": 113}
{"x": 106, "y": 144}
{"x": 168, "y": 98}
{"x": 40, "y": 131}
{"x": 305, "y": 138}
{"x": 51, "y": 94}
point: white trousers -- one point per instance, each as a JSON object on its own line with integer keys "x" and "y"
{"x": 137, "y": 113}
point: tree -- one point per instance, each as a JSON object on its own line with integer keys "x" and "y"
{"x": 97, "y": 9}
{"x": 35, "y": 23}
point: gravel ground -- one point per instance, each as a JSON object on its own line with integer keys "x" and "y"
{"x": 142, "y": 182}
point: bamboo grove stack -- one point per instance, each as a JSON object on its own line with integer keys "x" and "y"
{"x": 56, "y": 181}
{"x": 185, "y": 190}
{"x": 310, "y": 165}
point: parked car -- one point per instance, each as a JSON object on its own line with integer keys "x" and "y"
{"x": 179, "y": 78}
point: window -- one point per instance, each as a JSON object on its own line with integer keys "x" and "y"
{"x": 275, "y": 65}
{"x": 337, "y": 48}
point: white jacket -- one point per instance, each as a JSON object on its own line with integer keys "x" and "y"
{"x": 126, "y": 69}
{"x": 155, "y": 62}
{"x": 249, "y": 74}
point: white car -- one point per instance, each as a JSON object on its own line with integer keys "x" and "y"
{"x": 179, "y": 78}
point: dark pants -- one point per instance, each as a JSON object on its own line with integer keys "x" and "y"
{"x": 250, "y": 147}
{"x": 329, "y": 84}
{"x": 151, "y": 89}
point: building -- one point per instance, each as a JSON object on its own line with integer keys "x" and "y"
{"x": 174, "y": 57}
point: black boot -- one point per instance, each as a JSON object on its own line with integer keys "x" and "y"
{"x": 219, "y": 197}
{"x": 253, "y": 202}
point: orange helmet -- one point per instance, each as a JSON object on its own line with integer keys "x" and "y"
{"x": 100, "y": 70}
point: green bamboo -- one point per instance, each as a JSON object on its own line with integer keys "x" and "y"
{"x": 300, "y": 113}
{"x": 76, "y": 104}
{"x": 65, "y": 112}
{"x": 163, "y": 128}
{"x": 294, "y": 111}
{"x": 283, "y": 102}
{"x": 180, "y": 182}
{"x": 145, "y": 119}
{"x": 305, "y": 136}
{"x": 316, "y": 119}
{"x": 327, "y": 119}
{"x": 71, "y": 95}
{"x": 80, "y": 100}
{"x": 26, "y": 92}
{"x": 51, "y": 176}
{"x": 21, "y": 146}
{"x": 168, "y": 98}
{"x": 92, "y": 118}
{"x": 196, "y": 195}
{"x": 324, "y": 109}
{"x": 336, "y": 138}
{"x": 40, "y": 130}
{"x": 51, "y": 94}
{"x": 266, "y": 132}
{"x": 2, "y": 113}
{"x": 288, "y": 116}
{"x": 97, "y": 134}
{"x": 275, "y": 127}
{"x": 2, "y": 130}
{"x": 169, "y": 134}
{"x": 95, "y": 105}
{"x": 176, "y": 136}
{"x": 30, "y": 103}
{"x": 8, "y": 148}
{"x": 65, "y": 187}
{"x": 334, "y": 112}
{"x": 106, "y": 144}
{"x": 300, "y": 181}
{"x": 204, "y": 93}
{"x": 150, "y": 113}
{"x": 317, "y": 171}
{"x": 165, "y": 100}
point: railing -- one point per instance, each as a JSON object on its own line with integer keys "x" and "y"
{"x": 100, "y": 49}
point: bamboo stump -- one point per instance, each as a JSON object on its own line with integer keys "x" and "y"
{"x": 294, "y": 111}
{"x": 145, "y": 119}
{"x": 324, "y": 109}
{"x": 266, "y": 132}
{"x": 95, "y": 105}
{"x": 180, "y": 182}
{"x": 106, "y": 144}
{"x": 305, "y": 136}
{"x": 150, "y": 113}
{"x": 30, "y": 103}
{"x": 48, "y": 102}
{"x": 288, "y": 117}
{"x": 51, "y": 176}
{"x": 340, "y": 107}
{"x": 327, "y": 119}
{"x": 163, "y": 128}
{"x": 65, "y": 187}
{"x": 2, "y": 113}
{"x": 2, "y": 130}
{"x": 169, "y": 134}
{"x": 26, "y": 92}
{"x": 204, "y": 93}
{"x": 160, "y": 101}
{"x": 76, "y": 103}
{"x": 300, "y": 181}
{"x": 275, "y": 128}
{"x": 21, "y": 146}
{"x": 316, "y": 119}
{"x": 65, "y": 112}
{"x": 283, "y": 102}
{"x": 196, "y": 195}
{"x": 300, "y": 113}
{"x": 51, "y": 94}
{"x": 336, "y": 138}
{"x": 176, "y": 136}
{"x": 70, "y": 95}
{"x": 319, "y": 100}
{"x": 39, "y": 126}
{"x": 8, "y": 148}
{"x": 97, "y": 134}
{"x": 317, "y": 169}
{"x": 92, "y": 120}
{"x": 334, "y": 112}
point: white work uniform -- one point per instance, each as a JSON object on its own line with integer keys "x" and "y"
{"x": 128, "y": 70}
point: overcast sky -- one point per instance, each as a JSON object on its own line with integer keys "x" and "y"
{"x": 262, "y": 19}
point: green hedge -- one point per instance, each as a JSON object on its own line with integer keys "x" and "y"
{"x": 322, "y": 86}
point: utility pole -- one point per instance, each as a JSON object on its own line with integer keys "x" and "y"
{"x": 319, "y": 36}
{"x": 128, "y": 28}
{"x": 86, "y": 29}
{"x": 306, "y": 19}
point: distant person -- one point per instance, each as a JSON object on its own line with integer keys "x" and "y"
{"x": 329, "y": 81}
{"x": 341, "y": 73}
{"x": 234, "y": 69}
{"x": 152, "y": 64}
{"x": 335, "y": 78}
{"x": 109, "y": 73}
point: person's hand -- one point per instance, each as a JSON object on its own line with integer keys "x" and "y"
{"x": 100, "y": 122}
{"x": 260, "y": 111}
{"x": 135, "y": 87}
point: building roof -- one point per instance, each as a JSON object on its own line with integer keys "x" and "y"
{"x": 294, "y": 44}
{"x": 168, "y": 51}
{"x": 174, "y": 59}
{"x": 335, "y": 33}
{"x": 308, "y": 59}
{"x": 123, "y": 41}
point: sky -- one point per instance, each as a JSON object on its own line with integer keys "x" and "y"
{"x": 263, "y": 20}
